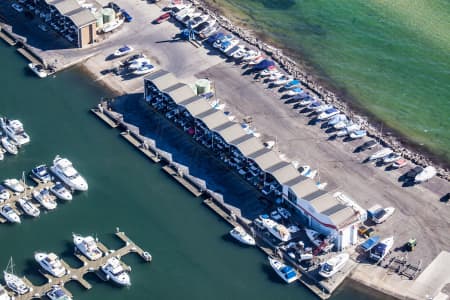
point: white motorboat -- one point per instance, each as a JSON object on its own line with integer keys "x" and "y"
{"x": 51, "y": 263}
{"x": 144, "y": 69}
{"x": 41, "y": 172}
{"x": 383, "y": 214}
{"x": 44, "y": 197}
{"x": 123, "y": 51}
{"x": 342, "y": 124}
{"x": 2, "y": 156}
{"x": 9, "y": 146}
{"x": 226, "y": 46}
{"x": 287, "y": 273}
{"x": 115, "y": 271}
{"x": 223, "y": 39}
{"x": 38, "y": 69}
{"x": 277, "y": 230}
{"x": 112, "y": 25}
{"x": 9, "y": 214}
{"x": 251, "y": 55}
{"x": 60, "y": 191}
{"x": 4, "y": 194}
{"x": 306, "y": 101}
{"x": 29, "y": 208}
{"x": 318, "y": 241}
{"x": 275, "y": 75}
{"x": 336, "y": 119}
{"x": 184, "y": 12}
{"x": 57, "y": 293}
{"x": 326, "y": 114}
{"x": 378, "y": 252}
{"x": 268, "y": 71}
{"x": 63, "y": 168}
{"x": 322, "y": 108}
{"x": 333, "y": 265}
{"x": 88, "y": 246}
{"x": 14, "y": 282}
{"x": 241, "y": 53}
{"x": 139, "y": 63}
{"x": 391, "y": 158}
{"x": 426, "y": 174}
{"x": 357, "y": 134}
{"x": 194, "y": 22}
{"x": 380, "y": 154}
{"x": 15, "y": 185}
{"x": 282, "y": 80}
{"x": 256, "y": 61}
{"x": 14, "y": 130}
{"x": 242, "y": 236}
{"x": 235, "y": 49}
{"x": 4, "y": 294}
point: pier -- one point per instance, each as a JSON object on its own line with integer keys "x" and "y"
{"x": 183, "y": 181}
{"x": 9, "y": 40}
{"x": 77, "y": 274}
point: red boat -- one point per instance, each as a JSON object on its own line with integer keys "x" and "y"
{"x": 162, "y": 18}
{"x": 400, "y": 163}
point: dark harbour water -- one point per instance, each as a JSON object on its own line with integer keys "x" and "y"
{"x": 388, "y": 58}
{"x": 192, "y": 257}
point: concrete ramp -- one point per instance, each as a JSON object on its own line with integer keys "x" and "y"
{"x": 430, "y": 284}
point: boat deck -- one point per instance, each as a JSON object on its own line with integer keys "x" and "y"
{"x": 77, "y": 274}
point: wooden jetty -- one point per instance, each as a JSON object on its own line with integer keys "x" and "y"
{"x": 133, "y": 140}
{"x": 12, "y": 201}
{"x": 183, "y": 181}
{"x": 77, "y": 274}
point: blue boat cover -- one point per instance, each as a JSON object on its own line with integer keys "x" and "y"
{"x": 124, "y": 48}
{"x": 215, "y": 37}
{"x": 290, "y": 274}
{"x": 370, "y": 243}
{"x": 286, "y": 269}
{"x": 264, "y": 64}
{"x": 293, "y": 82}
{"x": 331, "y": 110}
{"x": 298, "y": 90}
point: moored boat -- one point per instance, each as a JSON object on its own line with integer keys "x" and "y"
{"x": 14, "y": 130}
{"x": 380, "y": 250}
{"x": 114, "y": 270}
{"x": 38, "y": 69}
{"x": 4, "y": 194}
{"x": 88, "y": 246}
{"x": 29, "y": 208}
{"x": 9, "y": 146}
{"x": 14, "y": 282}
{"x": 41, "y": 172}
{"x": 44, "y": 197}
{"x": 15, "y": 185}
{"x": 57, "y": 293}
{"x": 9, "y": 214}
{"x": 61, "y": 192}
{"x": 51, "y": 263}
{"x": 287, "y": 273}
{"x": 333, "y": 265}
{"x": 242, "y": 236}
{"x": 277, "y": 230}
{"x": 63, "y": 168}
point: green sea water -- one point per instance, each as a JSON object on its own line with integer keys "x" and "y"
{"x": 391, "y": 58}
{"x": 193, "y": 257}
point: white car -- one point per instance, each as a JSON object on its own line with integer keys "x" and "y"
{"x": 17, "y": 7}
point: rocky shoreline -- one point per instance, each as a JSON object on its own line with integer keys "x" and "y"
{"x": 292, "y": 68}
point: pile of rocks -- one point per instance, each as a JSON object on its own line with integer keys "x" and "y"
{"x": 292, "y": 68}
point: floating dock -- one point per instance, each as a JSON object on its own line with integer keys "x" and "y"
{"x": 28, "y": 55}
{"x": 74, "y": 274}
{"x": 100, "y": 113}
{"x": 132, "y": 139}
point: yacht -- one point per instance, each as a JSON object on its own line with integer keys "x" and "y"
{"x": 378, "y": 252}
{"x": 38, "y": 69}
{"x": 60, "y": 191}
{"x": 123, "y": 51}
{"x": 41, "y": 172}
{"x": 318, "y": 241}
{"x": 4, "y": 294}
{"x": 14, "y": 282}
{"x": 4, "y": 194}
{"x": 277, "y": 230}
{"x": 9, "y": 214}
{"x": 29, "y": 208}
{"x": 115, "y": 271}
{"x": 15, "y": 185}
{"x": 62, "y": 167}
{"x": 14, "y": 129}
{"x": 426, "y": 174}
{"x": 44, "y": 197}
{"x": 242, "y": 236}
{"x": 333, "y": 265}
{"x": 88, "y": 246}
{"x": 287, "y": 273}
{"x": 57, "y": 293}
{"x": 9, "y": 146}
{"x": 51, "y": 263}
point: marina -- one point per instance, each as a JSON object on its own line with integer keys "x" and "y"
{"x": 280, "y": 168}
{"x": 77, "y": 274}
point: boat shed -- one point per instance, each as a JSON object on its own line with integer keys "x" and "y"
{"x": 80, "y": 21}
{"x": 318, "y": 209}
